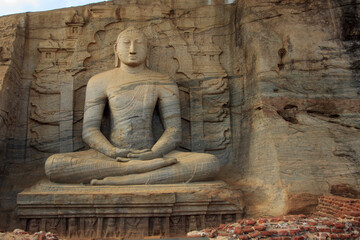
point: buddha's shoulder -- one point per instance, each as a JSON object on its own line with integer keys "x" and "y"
{"x": 100, "y": 81}
{"x": 103, "y": 76}
{"x": 158, "y": 77}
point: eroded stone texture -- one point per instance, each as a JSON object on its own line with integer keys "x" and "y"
{"x": 13, "y": 103}
{"x": 73, "y": 211}
{"x": 295, "y": 101}
{"x": 270, "y": 87}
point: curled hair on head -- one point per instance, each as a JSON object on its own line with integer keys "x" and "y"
{"x": 122, "y": 33}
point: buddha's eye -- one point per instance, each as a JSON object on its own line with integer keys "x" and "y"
{"x": 126, "y": 41}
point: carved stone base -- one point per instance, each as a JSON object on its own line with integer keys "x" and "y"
{"x": 80, "y": 211}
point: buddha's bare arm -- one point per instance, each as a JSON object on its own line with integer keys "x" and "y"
{"x": 94, "y": 107}
{"x": 169, "y": 107}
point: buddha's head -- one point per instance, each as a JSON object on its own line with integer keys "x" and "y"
{"x": 131, "y": 47}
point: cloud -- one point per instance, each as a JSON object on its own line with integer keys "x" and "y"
{"x": 71, "y": 3}
{"x": 19, "y": 3}
{"x": 18, "y": 6}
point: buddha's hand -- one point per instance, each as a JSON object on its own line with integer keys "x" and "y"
{"x": 145, "y": 154}
{"x": 119, "y": 152}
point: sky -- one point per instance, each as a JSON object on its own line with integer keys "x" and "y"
{"x": 18, "y": 6}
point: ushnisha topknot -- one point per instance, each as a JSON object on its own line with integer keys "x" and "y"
{"x": 128, "y": 30}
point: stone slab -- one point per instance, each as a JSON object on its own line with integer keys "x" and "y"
{"x": 164, "y": 210}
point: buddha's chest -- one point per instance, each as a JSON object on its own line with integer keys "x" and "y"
{"x": 132, "y": 99}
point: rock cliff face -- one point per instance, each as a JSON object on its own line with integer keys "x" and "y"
{"x": 13, "y": 118}
{"x": 295, "y": 104}
{"x": 271, "y": 87}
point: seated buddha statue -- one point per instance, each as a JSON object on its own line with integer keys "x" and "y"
{"x": 130, "y": 155}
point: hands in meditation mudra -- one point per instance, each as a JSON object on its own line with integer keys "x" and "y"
{"x": 130, "y": 155}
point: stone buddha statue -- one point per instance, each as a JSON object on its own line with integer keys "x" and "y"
{"x": 130, "y": 155}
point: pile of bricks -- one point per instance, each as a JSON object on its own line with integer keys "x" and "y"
{"x": 19, "y": 234}
{"x": 295, "y": 227}
{"x": 336, "y": 218}
{"x": 340, "y": 207}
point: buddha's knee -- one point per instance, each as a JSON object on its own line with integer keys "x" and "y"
{"x": 50, "y": 165}
{"x": 55, "y": 164}
{"x": 210, "y": 163}
{"x": 213, "y": 162}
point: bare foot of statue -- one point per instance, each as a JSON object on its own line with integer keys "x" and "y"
{"x": 138, "y": 166}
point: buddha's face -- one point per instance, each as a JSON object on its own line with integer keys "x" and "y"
{"x": 132, "y": 48}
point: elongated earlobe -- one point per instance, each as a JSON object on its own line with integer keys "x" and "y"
{"x": 117, "y": 61}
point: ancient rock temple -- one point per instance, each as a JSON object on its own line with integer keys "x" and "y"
{"x": 270, "y": 88}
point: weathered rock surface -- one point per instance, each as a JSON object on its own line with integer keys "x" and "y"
{"x": 295, "y": 101}
{"x": 269, "y": 87}
{"x": 163, "y": 210}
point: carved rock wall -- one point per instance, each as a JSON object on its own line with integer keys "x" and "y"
{"x": 65, "y": 47}
{"x": 295, "y": 101}
{"x": 271, "y": 88}
{"x": 13, "y": 105}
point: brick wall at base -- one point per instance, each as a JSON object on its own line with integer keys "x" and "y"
{"x": 340, "y": 207}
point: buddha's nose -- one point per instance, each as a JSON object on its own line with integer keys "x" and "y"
{"x": 132, "y": 49}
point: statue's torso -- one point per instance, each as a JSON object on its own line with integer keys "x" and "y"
{"x": 132, "y": 105}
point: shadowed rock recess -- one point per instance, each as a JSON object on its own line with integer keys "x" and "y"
{"x": 269, "y": 89}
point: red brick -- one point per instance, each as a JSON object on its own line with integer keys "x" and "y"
{"x": 282, "y": 219}
{"x": 254, "y": 234}
{"x": 238, "y": 230}
{"x": 267, "y": 233}
{"x": 244, "y": 237}
{"x": 333, "y": 236}
{"x": 345, "y": 236}
{"x": 262, "y": 221}
{"x": 283, "y": 233}
{"x": 222, "y": 226}
{"x": 250, "y": 223}
{"x": 347, "y": 212}
{"x": 312, "y": 229}
{"x": 286, "y": 238}
{"x": 337, "y": 230}
{"x": 248, "y": 229}
{"x": 328, "y": 223}
{"x": 302, "y": 229}
{"x": 355, "y": 223}
{"x": 323, "y": 229}
{"x": 298, "y": 238}
{"x": 355, "y": 214}
{"x": 260, "y": 228}
{"x": 339, "y": 225}
{"x": 312, "y": 223}
{"x": 274, "y": 220}
{"x": 293, "y": 231}
{"x": 229, "y": 228}
{"x": 355, "y": 236}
